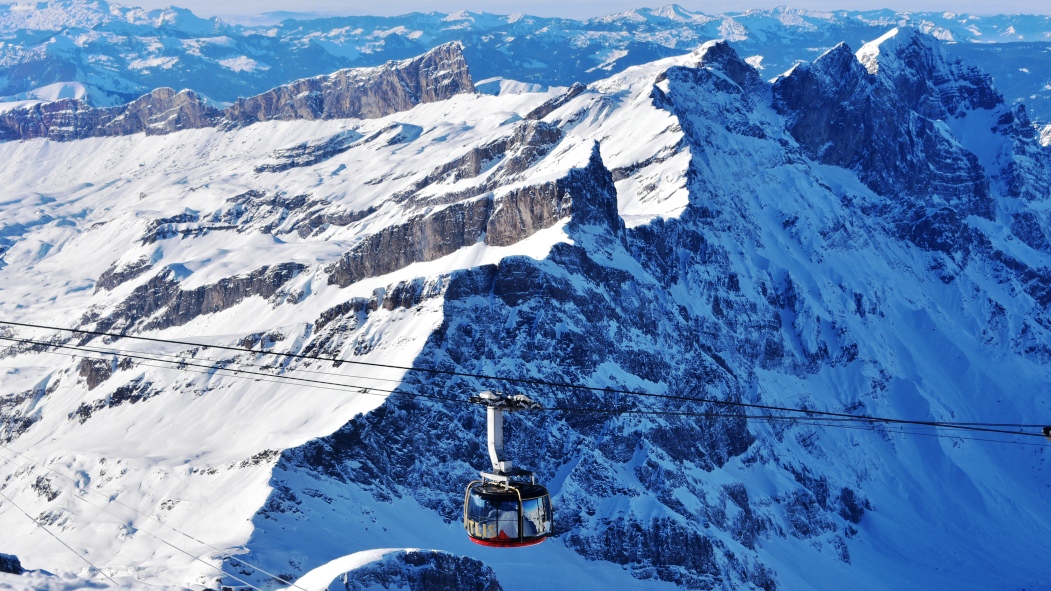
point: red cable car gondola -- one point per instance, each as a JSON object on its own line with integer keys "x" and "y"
{"x": 506, "y": 508}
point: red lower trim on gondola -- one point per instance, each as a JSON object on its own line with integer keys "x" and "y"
{"x": 509, "y": 543}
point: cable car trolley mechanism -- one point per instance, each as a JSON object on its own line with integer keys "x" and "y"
{"x": 506, "y": 508}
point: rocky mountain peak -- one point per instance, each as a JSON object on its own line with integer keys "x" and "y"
{"x": 593, "y": 194}
{"x": 882, "y": 49}
{"x": 879, "y": 115}
{"x": 916, "y": 66}
{"x": 164, "y": 111}
{"x": 719, "y": 56}
{"x": 838, "y": 61}
{"x": 834, "y": 77}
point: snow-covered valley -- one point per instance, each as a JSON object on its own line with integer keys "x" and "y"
{"x": 867, "y": 233}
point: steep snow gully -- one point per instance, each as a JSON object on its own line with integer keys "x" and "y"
{"x": 866, "y": 233}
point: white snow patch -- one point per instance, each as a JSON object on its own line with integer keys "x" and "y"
{"x": 320, "y": 578}
{"x": 868, "y": 55}
{"x": 242, "y": 64}
{"x": 499, "y": 86}
{"x": 164, "y": 63}
{"x": 756, "y": 61}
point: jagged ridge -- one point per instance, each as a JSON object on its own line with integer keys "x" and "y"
{"x": 366, "y": 93}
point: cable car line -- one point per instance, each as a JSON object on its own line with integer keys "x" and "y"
{"x": 831, "y": 423}
{"x": 851, "y": 419}
{"x": 74, "y": 494}
{"x": 343, "y": 387}
{"x": 823, "y": 422}
{"x": 873, "y": 427}
{"x": 182, "y": 364}
{"x": 52, "y": 534}
{"x": 180, "y": 358}
{"x": 532, "y": 381}
{"x": 177, "y": 360}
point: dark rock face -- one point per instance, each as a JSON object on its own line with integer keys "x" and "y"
{"x": 891, "y": 121}
{"x": 163, "y": 294}
{"x": 928, "y": 81}
{"x": 18, "y": 412}
{"x": 422, "y": 570}
{"x": 423, "y": 238}
{"x": 118, "y": 274}
{"x": 508, "y": 156}
{"x": 159, "y": 112}
{"x": 310, "y": 154}
{"x": 96, "y": 371}
{"x": 133, "y": 392}
{"x": 502, "y": 220}
{"x": 359, "y": 93}
{"x": 163, "y": 228}
{"x": 1027, "y": 226}
{"x": 9, "y": 563}
{"x": 273, "y": 213}
{"x": 884, "y": 127}
{"x": 363, "y": 93}
{"x": 1026, "y": 170}
{"x": 548, "y": 107}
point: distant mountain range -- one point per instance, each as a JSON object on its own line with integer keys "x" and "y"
{"x": 110, "y": 54}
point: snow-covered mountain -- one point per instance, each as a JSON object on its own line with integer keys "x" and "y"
{"x": 868, "y": 233}
{"x": 353, "y": 93}
{"x": 115, "y": 53}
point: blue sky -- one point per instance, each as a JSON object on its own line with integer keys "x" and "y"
{"x": 578, "y": 8}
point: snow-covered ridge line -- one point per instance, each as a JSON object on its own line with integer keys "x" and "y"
{"x": 117, "y": 53}
{"x": 365, "y": 93}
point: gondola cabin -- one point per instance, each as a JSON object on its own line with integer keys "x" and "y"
{"x": 506, "y": 508}
{"x": 507, "y": 516}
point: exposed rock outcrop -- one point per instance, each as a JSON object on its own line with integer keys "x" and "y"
{"x": 549, "y": 107}
{"x": 122, "y": 272}
{"x": 844, "y": 115}
{"x": 133, "y": 392}
{"x": 9, "y": 563}
{"x": 420, "y": 570}
{"x": 494, "y": 164}
{"x": 18, "y": 412}
{"x": 163, "y": 303}
{"x": 96, "y": 371}
{"x": 353, "y": 93}
{"x": 159, "y": 112}
{"x": 586, "y": 194}
{"x": 501, "y": 159}
{"x": 308, "y": 154}
{"x": 365, "y": 93}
